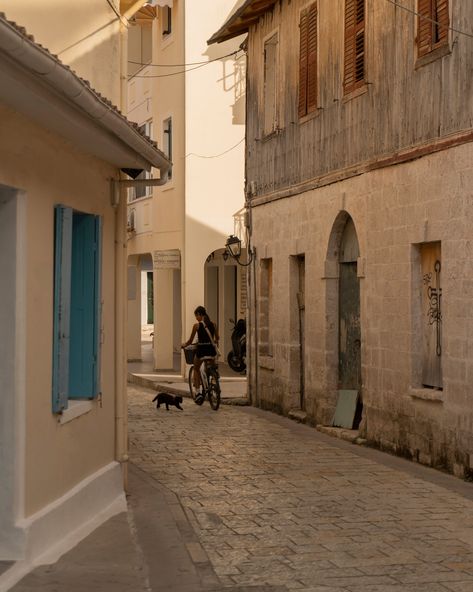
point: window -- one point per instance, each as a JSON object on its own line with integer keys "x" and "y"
{"x": 270, "y": 88}
{"x": 77, "y": 259}
{"x": 166, "y": 21}
{"x": 144, "y": 191}
{"x": 265, "y": 302}
{"x": 167, "y": 140}
{"x": 354, "y": 76}
{"x": 432, "y": 25}
{"x": 431, "y": 322}
{"x": 308, "y": 61}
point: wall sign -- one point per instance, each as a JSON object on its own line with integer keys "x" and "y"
{"x": 167, "y": 259}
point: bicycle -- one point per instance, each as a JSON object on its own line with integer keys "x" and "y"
{"x": 209, "y": 379}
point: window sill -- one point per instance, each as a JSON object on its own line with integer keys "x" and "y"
{"x": 310, "y": 116}
{"x": 433, "y": 56}
{"x": 426, "y": 394}
{"x": 140, "y": 199}
{"x": 353, "y": 94}
{"x": 266, "y": 362}
{"x": 270, "y": 135}
{"x": 75, "y": 409}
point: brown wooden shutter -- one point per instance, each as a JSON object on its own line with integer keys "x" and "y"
{"x": 424, "y": 27}
{"x": 303, "y": 62}
{"x": 354, "y": 44}
{"x": 349, "y": 77}
{"x": 443, "y": 20}
{"x": 312, "y": 59}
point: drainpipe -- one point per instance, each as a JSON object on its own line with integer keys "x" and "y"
{"x": 121, "y": 399}
{"x": 121, "y": 412}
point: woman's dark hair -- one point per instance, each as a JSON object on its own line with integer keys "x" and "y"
{"x": 200, "y": 310}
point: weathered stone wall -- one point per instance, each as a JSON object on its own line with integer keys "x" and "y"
{"x": 394, "y": 210}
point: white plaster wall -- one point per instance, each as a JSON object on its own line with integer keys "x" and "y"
{"x": 51, "y": 171}
{"x": 214, "y": 123}
{"x": 84, "y": 35}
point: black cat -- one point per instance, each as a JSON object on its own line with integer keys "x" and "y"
{"x": 167, "y": 400}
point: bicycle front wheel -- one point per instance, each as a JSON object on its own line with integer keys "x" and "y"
{"x": 214, "y": 389}
{"x": 192, "y": 389}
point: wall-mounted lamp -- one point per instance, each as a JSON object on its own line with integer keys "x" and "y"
{"x": 225, "y": 256}
{"x": 233, "y": 248}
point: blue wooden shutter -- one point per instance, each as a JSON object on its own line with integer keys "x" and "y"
{"x": 85, "y": 303}
{"x": 61, "y": 316}
{"x": 98, "y": 301}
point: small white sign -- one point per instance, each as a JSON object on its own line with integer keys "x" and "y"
{"x": 167, "y": 259}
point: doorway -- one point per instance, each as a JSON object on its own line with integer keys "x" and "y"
{"x": 349, "y": 327}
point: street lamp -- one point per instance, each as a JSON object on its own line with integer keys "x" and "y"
{"x": 233, "y": 248}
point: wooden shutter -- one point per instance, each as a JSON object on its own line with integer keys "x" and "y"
{"x": 61, "y": 311}
{"x": 442, "y": 18}
{"x": 432, "y": 25}
{"x": 424, "y": 27}
{"x": 303, "y": 58}
{"x": 308, "y": 61}
{"x": 85, "y": 302}
{"x": 312, "y": 59}
{"x": 354, "y": 44}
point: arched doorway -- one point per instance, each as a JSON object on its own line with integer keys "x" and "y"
{"x": 344, "y": 340}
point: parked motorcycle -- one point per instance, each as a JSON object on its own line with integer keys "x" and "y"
{"x": 236, "y": 358}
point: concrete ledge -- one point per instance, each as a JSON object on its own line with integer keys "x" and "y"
{"x": 352, "y": 436}
{"x": 297, "y": 415}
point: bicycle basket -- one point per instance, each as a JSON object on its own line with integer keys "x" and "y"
{"x": 189, "y": 353}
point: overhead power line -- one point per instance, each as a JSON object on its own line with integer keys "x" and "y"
{"x": 201, "y": 65}
{"x": 185, "y": 65}
{"x": 217, "y": 155}
{"x": 426, "y": 18}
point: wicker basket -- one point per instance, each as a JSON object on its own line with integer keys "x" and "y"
{"x": 189, "y": 353}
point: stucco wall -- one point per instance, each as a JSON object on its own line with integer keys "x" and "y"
{"x": 393, "y": 209}
{"x": 50, "y": 171}
{"x": 84, "y": 35}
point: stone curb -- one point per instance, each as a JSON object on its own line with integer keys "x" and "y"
{"x": 159, "y": 386}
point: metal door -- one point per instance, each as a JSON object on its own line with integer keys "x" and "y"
{"x": 350, "y": 333}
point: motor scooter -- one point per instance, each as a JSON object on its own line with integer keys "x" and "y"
{"x": 236, "y": 358}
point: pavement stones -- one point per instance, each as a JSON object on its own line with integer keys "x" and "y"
{"x": 277, "y": 504}
{"x": 242, "y": 500}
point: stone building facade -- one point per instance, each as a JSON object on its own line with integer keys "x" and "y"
{"x": 359, "y": 189}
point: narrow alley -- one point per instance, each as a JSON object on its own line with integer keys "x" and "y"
{"x": 276, "y": 506}
{"x": 243, "y": 500}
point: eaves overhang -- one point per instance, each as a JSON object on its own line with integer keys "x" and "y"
{"x": 241, "y": 20}
{"x": 37, "y": 84}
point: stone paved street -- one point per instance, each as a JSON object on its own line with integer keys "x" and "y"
{"x": 275, "y": 505}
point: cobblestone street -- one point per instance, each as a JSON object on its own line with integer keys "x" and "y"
{"x": 277, "y": 506}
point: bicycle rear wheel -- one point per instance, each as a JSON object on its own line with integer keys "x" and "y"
{"x": 214, "y": 388}
{"x": 193, "y": 391}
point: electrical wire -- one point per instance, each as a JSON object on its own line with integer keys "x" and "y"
{"x": 184, "y": 65}
{"x": 422, "y": 16}
{"x": 123, "y": 20}
{"x": 217, "y": 155}
{"x": 176, "y": 73}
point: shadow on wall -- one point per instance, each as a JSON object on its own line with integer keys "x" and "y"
{"x": 233, "y": 77}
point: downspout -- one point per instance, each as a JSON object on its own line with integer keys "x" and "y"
{"x": 118, "y": 202}
{"x": 121, "y": 402}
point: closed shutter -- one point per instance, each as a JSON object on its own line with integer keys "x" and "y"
{"x": 424, "y": 27}
{"x": 308, "y": 61}
{"x": 303, "y": 56}
{"x": 442, "y": 18}
{"x": 312, "y": 60}
{"x": 61, "y": 311}
{"x": 83, "y": 352}
{"x": 354, "y": 74}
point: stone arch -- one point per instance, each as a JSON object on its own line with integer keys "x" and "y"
{"x": 343, "y": 328}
